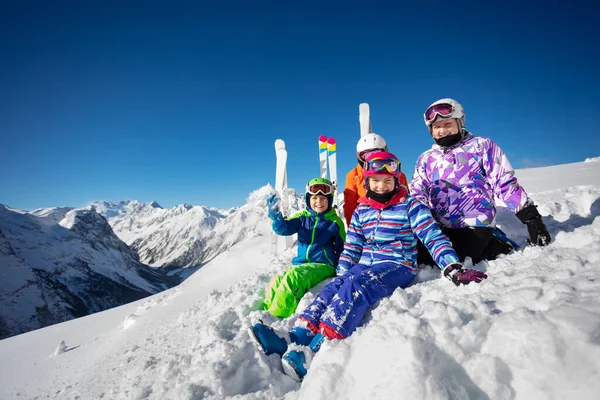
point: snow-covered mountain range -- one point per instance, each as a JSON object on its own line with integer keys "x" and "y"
{"x": 61, "y": 263}
{"x": 185, "y": 235}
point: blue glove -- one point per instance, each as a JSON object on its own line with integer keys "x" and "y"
{"x": 273, "y": 206}
{"x": 461, "y": 275}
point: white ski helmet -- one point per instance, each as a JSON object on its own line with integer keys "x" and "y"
{"x": 457, "y": 112}
{"x": 370, "y": 141}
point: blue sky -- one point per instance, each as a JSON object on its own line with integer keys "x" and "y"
{"x": 181, "y": 102}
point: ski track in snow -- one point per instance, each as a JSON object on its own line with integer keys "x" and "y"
{"x": 530, "y": 331}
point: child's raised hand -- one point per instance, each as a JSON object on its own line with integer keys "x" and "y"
{"x": 273, "y": 205}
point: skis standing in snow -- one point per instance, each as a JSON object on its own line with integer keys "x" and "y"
{"x": 378, "y": 258}
{"x": 323, "y": 156}
{"x": 364, "y": 118}
{"x": 321, "y": 238}
{"x": 332, "y": 163}
{"x": 328, "y": 166}
{"x": 459, "y": 178}
{"x": 281, "y": 190}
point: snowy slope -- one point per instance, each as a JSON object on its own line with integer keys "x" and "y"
{"x": 531, "y": 331}
{"x": 59, "y": 264}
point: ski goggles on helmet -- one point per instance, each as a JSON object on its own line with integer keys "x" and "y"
{"x": 319, "y": 188}
{"x": 390, "y": 165}
{"x": 444, "y": 110}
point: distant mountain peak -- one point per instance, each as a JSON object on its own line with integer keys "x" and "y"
{"x": 65, "y": 263}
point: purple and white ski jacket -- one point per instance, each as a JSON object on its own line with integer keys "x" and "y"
{"x": 459, "y": 183}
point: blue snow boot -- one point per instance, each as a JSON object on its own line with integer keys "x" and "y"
{"x": 269, "y": 341}
{"x": 296, "y": 362}
{"x": 317, "y": 341}
{"x": 508, "y": 242}
{"x": 302, "y": 336}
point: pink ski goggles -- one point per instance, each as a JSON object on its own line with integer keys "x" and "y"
{"x": 444, "y": 110}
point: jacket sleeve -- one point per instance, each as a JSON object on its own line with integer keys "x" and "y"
{"x": 353, "y": 246}
{"x": 419, "y": 186}
{"x": 500, "y": 175}
{"x": 428, "y": 231}
{"x": 287, "y": 226}
{"x": 350, "y": 197}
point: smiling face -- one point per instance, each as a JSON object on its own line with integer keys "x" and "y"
{"x": 382, "y": 184}
{"x": 319, "y": 203}
{"x": 444, "y": 127}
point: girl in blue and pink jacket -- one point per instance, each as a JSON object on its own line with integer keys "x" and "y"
{"x": 379, "y": 257}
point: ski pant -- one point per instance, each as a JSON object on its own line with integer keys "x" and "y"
{"x": 342, "y": 304}
{"x": 286, "y": 289}
{"x": 479, "y": 243}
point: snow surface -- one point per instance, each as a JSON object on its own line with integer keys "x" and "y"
{"x": 530, "y": 331}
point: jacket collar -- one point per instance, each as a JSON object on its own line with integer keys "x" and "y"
{"x": 396, "y": 199}
{"x": 466, "y": 137}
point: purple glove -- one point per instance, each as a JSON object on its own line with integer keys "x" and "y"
{"x": 459, "y": 275}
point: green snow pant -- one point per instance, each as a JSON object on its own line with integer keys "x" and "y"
{"x": 286, "y": 289}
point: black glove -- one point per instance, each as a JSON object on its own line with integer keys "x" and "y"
{"x": 538, "y": 233}
{"x": 460, "y": 275}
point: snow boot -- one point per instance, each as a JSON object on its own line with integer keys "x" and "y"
{"x": 269, "y": 341}
{"x": 296, "y": 362}
{"x": 317, "y": 341}
{"x": 302, "y": 336}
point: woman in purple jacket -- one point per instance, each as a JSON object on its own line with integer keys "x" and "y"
{"x": 459, "y": 178}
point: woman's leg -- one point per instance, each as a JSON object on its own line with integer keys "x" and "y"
{"x": 469, "y": 242}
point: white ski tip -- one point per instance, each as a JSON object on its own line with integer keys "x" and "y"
{"x": 279, "y": 144}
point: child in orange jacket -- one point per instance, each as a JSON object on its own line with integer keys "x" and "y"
{"x": 355, "y": 179}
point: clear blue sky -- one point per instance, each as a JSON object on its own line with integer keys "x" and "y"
{"x": 181, "y": 102}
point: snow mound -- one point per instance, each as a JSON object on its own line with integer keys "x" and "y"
{"x": 260, "y": 195}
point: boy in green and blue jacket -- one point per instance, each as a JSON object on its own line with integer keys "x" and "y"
{"x": 321, "y": 238}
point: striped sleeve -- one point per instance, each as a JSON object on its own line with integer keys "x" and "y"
{"x": 353, "y": 246}
{"x": 428, "y": 231}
